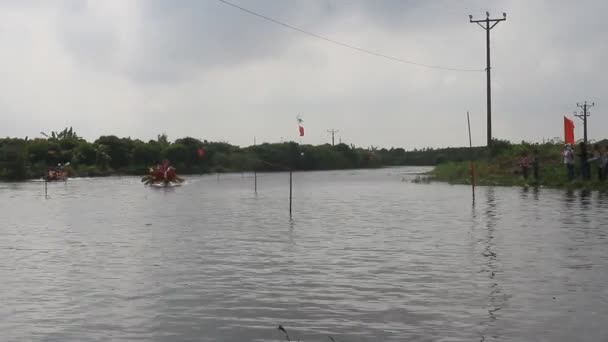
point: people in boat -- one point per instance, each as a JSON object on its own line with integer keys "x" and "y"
{"x": 158, "y": 173}
{"x": 56, "y": 173}
{"x": 170, "y": 174}
{"x": 163, "y": 173}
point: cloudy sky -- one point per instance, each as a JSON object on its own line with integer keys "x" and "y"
{"x": 204, "y": 69}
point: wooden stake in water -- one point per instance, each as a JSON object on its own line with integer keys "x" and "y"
{"x": 45, "y": 188}
{"x": 290, "y": 189}
{"x": 471, "y": 164}
{"x": 255, "y": 173}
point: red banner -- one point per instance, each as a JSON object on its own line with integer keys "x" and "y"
{"x": 568, "y": 131}
{"x": 301, "y": 131}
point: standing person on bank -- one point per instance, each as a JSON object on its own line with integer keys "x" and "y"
{"x": 568, "y": 155}
{"x": 524, "y": 164}
{"x": 536, "y": 166}
{"x": 604, "y": 162}
{"x": 596, "y": 159}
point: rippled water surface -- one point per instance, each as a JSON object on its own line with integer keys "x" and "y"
{"x": 367, "y": 256}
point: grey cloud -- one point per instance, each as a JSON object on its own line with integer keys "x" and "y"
{"x": 175, "y": 39}
{"x": 221, "y": 73}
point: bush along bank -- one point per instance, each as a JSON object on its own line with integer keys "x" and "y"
{"x": 503, "y": 168}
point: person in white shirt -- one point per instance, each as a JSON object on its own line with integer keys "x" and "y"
{"x": 568, "y": 155}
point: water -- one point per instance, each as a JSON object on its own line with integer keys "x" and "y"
{"x": 367, "y": 256}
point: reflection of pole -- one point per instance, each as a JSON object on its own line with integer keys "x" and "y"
{"x": 45, "y": 188}
{"x": 472, "y": 165}
{"x": 290, "y": 189}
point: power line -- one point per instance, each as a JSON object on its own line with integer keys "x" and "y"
{"x": 352, "y": 47}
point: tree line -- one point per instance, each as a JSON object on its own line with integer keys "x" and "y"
{"x": 30, "y": 158}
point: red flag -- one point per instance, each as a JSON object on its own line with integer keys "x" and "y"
{"x": 568, "y": 131}
{"x": 300, "y": 127}
{"x": 200, "y": 152}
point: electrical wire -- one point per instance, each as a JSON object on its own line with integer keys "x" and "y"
{"x": 352, "y": 47}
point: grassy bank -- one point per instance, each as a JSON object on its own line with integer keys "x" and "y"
{"x": 503, "y": 169}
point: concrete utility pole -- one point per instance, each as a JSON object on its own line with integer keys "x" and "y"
{"x": 583, "y": 115}
{"x": 488, "y": 24}
{"x": 333, "y": 133}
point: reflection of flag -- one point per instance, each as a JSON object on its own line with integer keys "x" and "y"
{"x": 300, "y": 126}
{"x": 200, "y": 152}
{"x": 568, "y": 131}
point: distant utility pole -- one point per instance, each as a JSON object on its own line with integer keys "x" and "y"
{"x": 333, "y": 133}
{"x": 488, "y": 24}
{"x": 583, "y": 115}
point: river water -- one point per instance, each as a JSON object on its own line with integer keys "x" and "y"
{"x": 366, "y": 256}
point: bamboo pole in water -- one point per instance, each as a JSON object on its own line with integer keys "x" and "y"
{"x": 471, "y": 164}
{"x": 290, "y": 189}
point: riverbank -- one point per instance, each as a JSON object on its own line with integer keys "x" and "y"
{"x": 504, "y": 170}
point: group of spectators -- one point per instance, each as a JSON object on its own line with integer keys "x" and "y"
{"x": 597, "y": 158}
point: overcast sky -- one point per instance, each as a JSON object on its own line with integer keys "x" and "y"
{"x": 204, "y": 69}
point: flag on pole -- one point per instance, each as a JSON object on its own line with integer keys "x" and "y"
{"x": 568, "y": 131}
{"x": 300, "y": 125}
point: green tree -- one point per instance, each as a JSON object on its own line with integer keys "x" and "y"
{"x": 13, "y": 161}
{"x": 191, "y": 145}
{"x": 177, "y": 154}
{"x": 146, "y": 154}
{"x": 85, "y": 154}
{"x": 119, "y": 150}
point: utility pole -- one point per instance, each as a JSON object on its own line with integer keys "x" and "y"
{"x": 333, "y": 133}
{"x": 583, "y": 115}
{"x": 488, "y": 24}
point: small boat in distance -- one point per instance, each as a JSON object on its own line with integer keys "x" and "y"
{"x": 162, "y": 176}
{"x": 56, "y": 174}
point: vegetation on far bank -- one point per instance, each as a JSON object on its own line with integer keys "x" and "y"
{"x": 110, "y": 155}
{"x": 501, "y": 167}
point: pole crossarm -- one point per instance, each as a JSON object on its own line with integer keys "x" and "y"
{"x": 496, "y": 21}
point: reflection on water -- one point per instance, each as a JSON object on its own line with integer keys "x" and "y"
{"x": 365, "y": 257}
{"x": 496, "y": 298}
